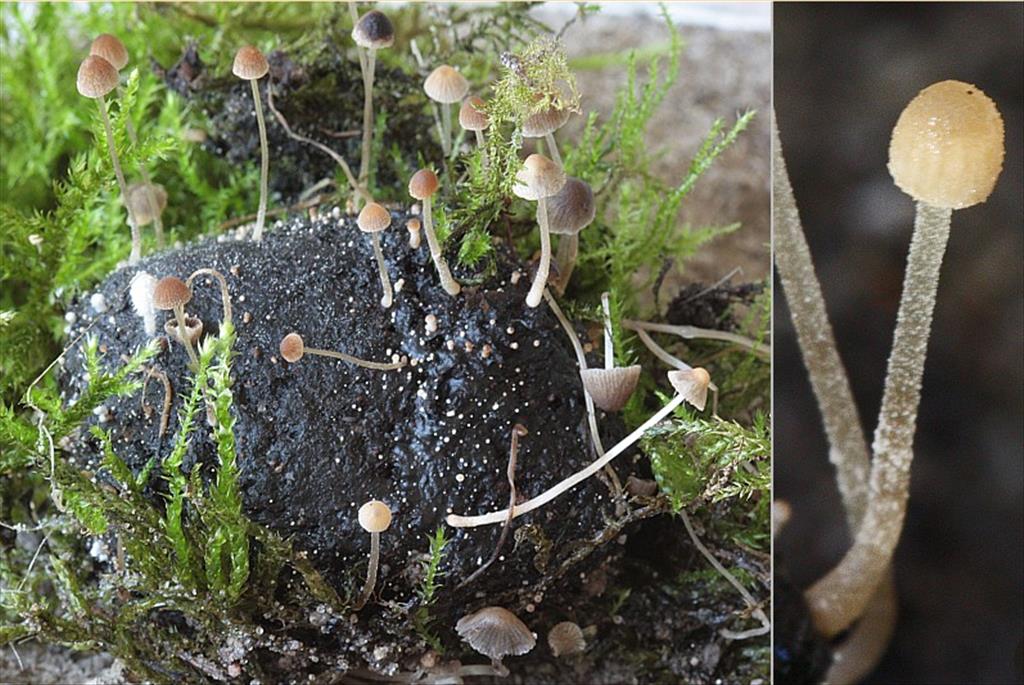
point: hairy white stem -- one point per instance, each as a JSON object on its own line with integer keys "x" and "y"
{"x": 553, "y": 149}
{"x": 385, "y": 282}
{"x": 448, "y": 282}
{"x": 367, "y": 150}
{"x": 609, "y": 351}
{"x": 261, "y": 215}
{"x": 136, "y": 253}
{"x": 379, "y": 366}
{"x": 693, "y": 332}
{"x": 857, "y": 655}
{"x": 540, "y": 280}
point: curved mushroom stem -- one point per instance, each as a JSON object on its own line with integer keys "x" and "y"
{"x": 540, "y": 281}
{"x": 378, "y": 366}
{"x": 385, "y": 282}
{"x": 693, "y": 332}
{"x": 136, "y": 253}
{"x": 450, "y": 285}
{"x": 225, "y": 296}
{"x": 553, "y": 149}
{"x": 154, "y": 209}
{"x": 838, "y": 599}
{"x": 367, "y": 151}
{"x": 179, "y": 316}
{"x": 371, "y": 572}
{"x": 665, "y": 356}
{"x": 860, "y": 652}
{"x": 565, "y": 259}
{"x": 261, "y": 214}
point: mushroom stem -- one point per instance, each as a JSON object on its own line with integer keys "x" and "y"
{"x": 154, "y": 209}
{"x": 179, "y": 316}
{"x": 670, "y": 359}
{"x": 367, "y": 150}
{"x": 385, "y": 282}
{"x": 565, "y": 259}
{"x": 609, "y": 352}
{"x": 553, "y": 149}
{"x": 450, "y": 285}
{"x": 693, "y": 332}
{"x": 838, "y": 599}
{"x": 225, "y": 296}
{"x": 446, "y": 129}
{"x": 261, "y": 214}
{"x": 540, "y": 280}
{"x": 371, "y": 572}
{"x": 379, "y": 366}
{"x": 136, "y": 253}
{"x": 482, "y": 144}
{"x": 858, "y": 654}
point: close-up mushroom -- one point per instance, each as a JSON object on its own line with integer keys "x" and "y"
{"x": 496, "y": 633}
{"x": 611, "y": 386}
{"x": 374, "y": 518}
{"x": 422, "y": 186}
{"x": 250, "y": 65}
{"x": 570, "y": 210}
{"x": 539, "y": 179}
{"x": 172, "y": 294}
{"x": 373, "y": 219}
{"x": 446, "y": 87}
{"x": 293, "y": 348}
{"x": 473, "y": 117}
{"x": 372, "y": 32}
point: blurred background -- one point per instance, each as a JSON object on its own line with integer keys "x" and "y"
{"x": 843, "y": 72}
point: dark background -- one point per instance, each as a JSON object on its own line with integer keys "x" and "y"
{"x": 843, "y": 73}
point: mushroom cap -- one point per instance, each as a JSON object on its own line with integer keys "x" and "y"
{"x": 374, "y": 30}
{"x": 566, "y": 638}
{"x": 250, "y": 63}
{"x": 138, "y": 200}
{"x": 495, "y": 632}
{"x": 292, "y": 348}
{"x": 446, "y": 85}
{"x": 692, "y": 384}
{"x": 611, "y": 388}
{"x": 171, "y": 292}
{"x": 947, "y": 146}
{"x": 472, "y": 117}
{"x": 413, "y": 225}
{"x": 110, "y": 48}
{"x": 374, "y": 516}
{"x": 96, "y": 77}
{"x": 373, "y": 218}
{"x": 423, "y": 184}
{"x": 539, "y": 177}
{"x": 544, "y": 122}
{"x": 572, "y": 208}
{"x": 193, "y": 330}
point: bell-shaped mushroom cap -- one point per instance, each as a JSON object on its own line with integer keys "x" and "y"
{"x": 110, "y": 48}
{"x": 96, "y": 77}
{"x": 566, "y": 638}
{"x": 472, "y": 117}
{"x": 544, "y": 122}
{"x": 171, "y": 292}
{"x": 292, "y": 347}
{"x": 611, "y": 388}
{"x": 445, "y": 85}
{"x": 138, "y": 200}
{"x": 495, "y": 632}
{"x": 373, "y": 218}
{"x": 423, "y": 184}
{"x": 374, "y": 30}
{"x": 947, "y": 147}
{"x": 539, "y": 177}
{"x": 374, "y": 516}
{"x": 250, "y": 63}
{"x": 572, "y": 208}
{"x": 692, "y": 384}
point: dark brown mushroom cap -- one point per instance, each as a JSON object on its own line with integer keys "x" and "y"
{"x": 544, "y": 122}
{"x": 171, "y": 292}
{"x": 373, "y": 218}
{"x": 472, "y": 117}
{"x": 250, "y": 63}
{"x": 495, "y": 632}
{"x": 292, "y": 347}
{"x": 96, "y": 77}
{"x": 611, "y": 388}
{"x": 572, "y": 208}
{"x": 692, "y": 384}
{"x": 566, "y": 638}
{"x": 445, "y": 85}
{"x": 110, "y": 48}
{"x": 423, "y": 184}
{"x": 374, "y": 30}
{"x": 138, "y": 200}
{"x": 539, "y": 177}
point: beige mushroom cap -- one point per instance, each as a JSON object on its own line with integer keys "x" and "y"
{"x": 374, "y": 516}
{"x": 110, "y": 48}
{"x": 566, "y": 639}
{"x": 495, "y": 632}
{"x": 692, "y": 384}
{"x": 544, "y": 122}
{"x": 171, "y": 292}
{"x": 96, "y": 77}
{"x": 947, "y": 147}
{"x": 572, "y": 208}
{"x": 250, "y": 63}
{"x": 611, "y": 388}
{"x": 423, "y": 184}
{"x": 373, "y": 218}
{"x": 292, "y": 347}
{"x": 539, "y": 177}
{"x": 472, "y": 117}
{"x": 138, "y": 200}
{"x": 446, "y": 85}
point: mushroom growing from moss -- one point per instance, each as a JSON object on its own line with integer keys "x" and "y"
{"x": 172, "y": 294}
{"x": 446, "y": 86}
{"x": 422, "y": 186}
{"x": 148, "y": 201}
{"x": 692, "y": 385}
{"x": 250, "y": 65}
{"x": 96, "y": 78}
{"x": 539, "y": 179}
{"x": 570, "y": 210}
{"x": 372, "y": 220}
{"x": 293, "y": 348}
{"x": 543, "y": 124}
{"x": 374, "y": 517}
{"x": 373, "y": 31}
{"x": 472, "y": 117}
{"x": 612, "y": 386}
{"x": 496, "y": 633}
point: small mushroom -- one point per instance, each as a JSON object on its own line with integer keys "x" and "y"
{"x": 250, "y": 65}
{"x": 141, "y": 291}
{"x": 472, "y": 117}
{"x": 96, "y": 78}
{"x": 414, "y": 227}
{"x": 374, "y": 517}
{"x": 422, "y": 186}
{"x": 539, "y": 179}
{"x": 148, "y": 201}
{"x": 225, "y": 295}
{"x": 171, "y": 293}
{"x": 691, "y": 384}
{"x": 293, "y": 348}
{"x": 543, "y": 124}
{"x": 373, "y": 31}
{"x": 612, "y": 386}
{"x": 193, "y": 330}
{"x": 496, "y": 633}
{"x": 566, "y": 639}
{"x": 372, "y": 220}
{"x": 446, "y": 86}
{"x": 570, "y": 210}
{"x": 110, "y": 48}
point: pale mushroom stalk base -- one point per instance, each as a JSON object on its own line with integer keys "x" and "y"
{"x": 565, "y": 260}
{"x": 261, "y": 215}
{"x": 385, "y": 282}
{"x": 450, "y": 285}
{"x": 154, "y": 210}
{"x": 857, "y": 655}
{"x": 839, "y": 598}
{"x": 179, "y": 316}
{"x": 371, "y": 573}
{"x": 540, "y": 281}
{"x": 136, "y": 253}
{"x": 367, "y": 150}
{"x": 553, "y": 148}
{"x": 379, "y": 366}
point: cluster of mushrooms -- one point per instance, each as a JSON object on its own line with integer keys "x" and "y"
{"x": 565, "y": 206}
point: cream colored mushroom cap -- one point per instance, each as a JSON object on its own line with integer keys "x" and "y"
{"x": 947, "y": 147}
{"x": 539, "y": 177}
{"x": 566, "y": 639}
{"x": 374, "y": 516}
{"x": 138, "y": 200}
{"x": 544, "y": 122}
{"x": 110, "y": 48}
{"x": 96, "y": 77}
{"x": 446, "y": 85}
{"x": 692, "y": 384}
{"x": 495, "y": 632}
{"x": 250, "y": 63}
{"x": 611, "y": 388}
{"x": 373, "y": 218}
{"x": 472, "y": 116}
